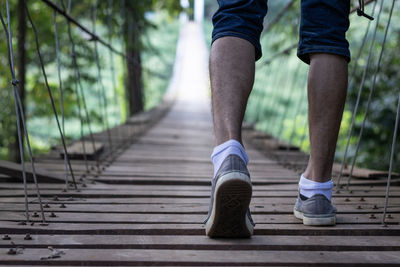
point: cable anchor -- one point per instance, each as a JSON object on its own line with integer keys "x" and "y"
{"x": 360, "y": 10}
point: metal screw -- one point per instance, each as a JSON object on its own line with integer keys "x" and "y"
{"x": 35, "y": 215}
{"x": 359, "y": 207}
{"x": 27, "y": 237}
{"x": 372, "y": 216}
{"x": 375, "y": 207}
{"x": 12, "y": 251}
{"x": 53, "y": 215}
{"x": 63, "y": 206}
{"x": 6, "y": 237}
{"x": 362, "y": 199}
{"x": 46, "y": 206}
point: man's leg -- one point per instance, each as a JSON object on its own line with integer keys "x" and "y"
{"x": 236, "y": 46}
{"x": 327, "y": 84}
{"x": 232, "y": 76}
{"x": 324, "y": 46}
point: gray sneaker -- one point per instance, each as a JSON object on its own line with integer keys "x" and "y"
{"x": 229, "y": 214}
{"x": 316, "y": 210}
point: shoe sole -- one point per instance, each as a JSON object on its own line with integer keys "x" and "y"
{"x": 315, "y": 221}
{"x": 232, "y": 198}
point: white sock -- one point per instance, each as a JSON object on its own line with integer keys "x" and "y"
{"x": 310, "y": 188}
{"x": 225, "y": 149}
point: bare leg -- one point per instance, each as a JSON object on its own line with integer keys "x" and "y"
{"x": 327, "y": 84}
{"x": 232, "y": 77}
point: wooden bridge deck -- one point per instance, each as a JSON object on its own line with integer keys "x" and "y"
{"x": 147, "y": 207}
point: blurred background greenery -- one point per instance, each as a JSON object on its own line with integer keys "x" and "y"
{"x": 148, "y": 31}
{"x": 278, "y": 103}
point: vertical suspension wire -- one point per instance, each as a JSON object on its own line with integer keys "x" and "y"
{"x": 396, "y": 126}
{"x": 113, "y": 78}
{"x": 49, "y": 91}
{"x": 60, "y": 84}
{"x": 274, "y": 97}
{"x": 361, "y": 48}
{"x": 20, "y": 117}
{"x": 102, "y": 96}
{"x": 78, "y": 100}
{"x": 361, "y": 87}
{"x": 303, "y": 91}
{"x": 291, "y": 89}
{"x": 30, "y": 156}
{"x": 377, "y": 68}
{"x": 263, "y": 94}
{"x": 124, "y": 62}
{"x": 14, "y": 83}
{"x": 305, "y": 131}
{"x": 79, "y": 85}
{"x": 282, "y": 88}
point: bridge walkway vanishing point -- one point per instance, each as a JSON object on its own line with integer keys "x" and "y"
{"x": 147, "y": 207}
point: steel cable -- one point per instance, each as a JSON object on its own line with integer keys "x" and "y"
{"x": 359, "y": 90}
{"x": 60, "y": 84}
{"x": 396, "y": 126}
{"x": 49, "y": 91}
{"x": 113, "y": 78}
{"x": 377, "y": 68}
{"x": 102, "y": 96}
{"x": 80, "y": 93}
{"x": 20, "y": 117}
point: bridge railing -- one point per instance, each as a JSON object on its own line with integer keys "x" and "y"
{"x": 278, "y": 104}
{"x": 70, "y": 80}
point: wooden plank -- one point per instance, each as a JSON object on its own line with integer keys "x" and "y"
{"x": 259, "y": 201}
{"x": 362, "y": 172}
{"x": 146, "y": 257}
{"x": 258, "y": 242}
{"x": 360, "y": 229}
{"x": 164, "y": 194}
{"x": 185, "y": 218}
{"x": 184, "y": 208}
{"x": 14, "y": 170}
{"x": 76, "y": 151}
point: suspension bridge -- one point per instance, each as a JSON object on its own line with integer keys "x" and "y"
{"x": 136, "y": 194}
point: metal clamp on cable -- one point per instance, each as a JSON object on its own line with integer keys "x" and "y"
{"x": 360, "y": 10}
{"x": 14, "y": 82}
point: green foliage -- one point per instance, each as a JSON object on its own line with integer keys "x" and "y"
{"x": 155, "y": 29}
{"x": 158, "y": 57}
{"x": 278, "y": 103}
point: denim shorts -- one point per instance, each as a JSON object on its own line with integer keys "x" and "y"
{"x": 323, "y": 25}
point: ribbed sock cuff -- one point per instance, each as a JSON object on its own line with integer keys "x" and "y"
{"x": 225, "y": 149}
{"x": 309, "y": 188}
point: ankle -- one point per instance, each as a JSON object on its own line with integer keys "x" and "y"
{"x": 309, "y": 188}
{"x": 224, "y": 150}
